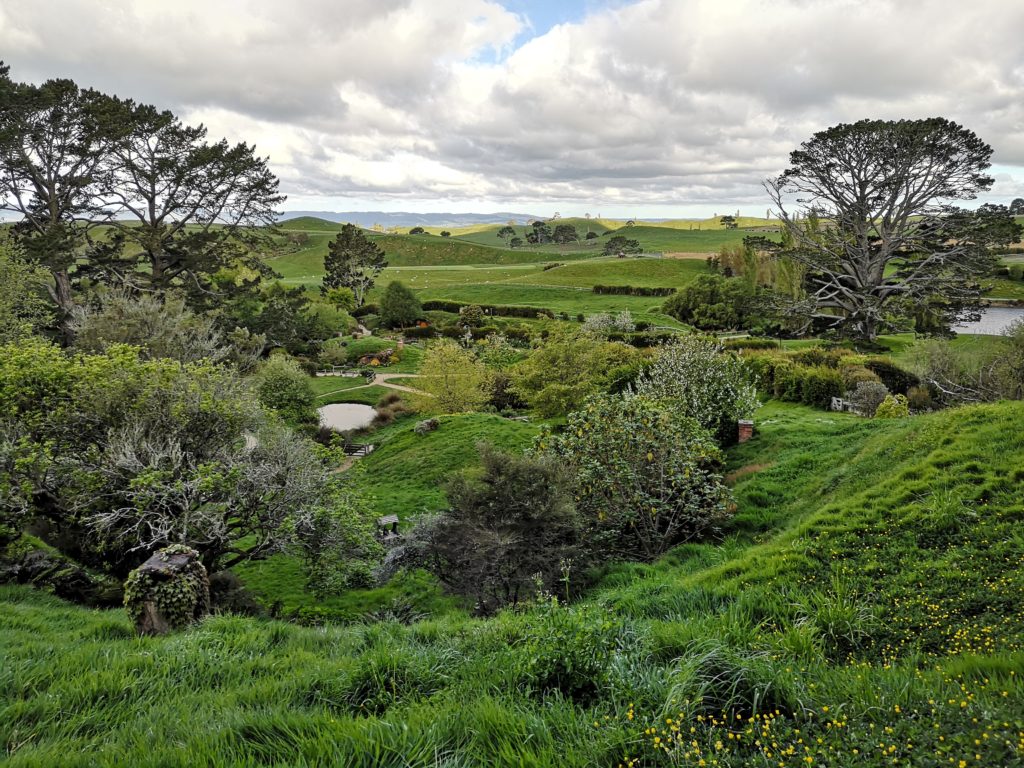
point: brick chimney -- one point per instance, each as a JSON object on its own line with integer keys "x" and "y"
{"x": 746, "y": 430}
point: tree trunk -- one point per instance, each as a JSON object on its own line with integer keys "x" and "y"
{"x": 60, "y": 292}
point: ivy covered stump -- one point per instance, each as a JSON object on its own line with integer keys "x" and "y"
{"x": 168, "y": 591}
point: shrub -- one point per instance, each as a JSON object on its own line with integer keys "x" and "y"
{"x": 854, "y": 374}
{"x": 867, "y": 396}
{"x": 751, "y": 342}
{"x": 399, "y": 306}
{"x": 893, "y": 407}
{"x": 816, "y": 356}
{"x": 283, "y": 386}
{"x": 702, "y": 381}
{"x": 507, "y": 526}
{"x": 712, "y": 302}
{"x": 366, "y": 309}
{"x": 425, "y": 426}
{"x": 631, "y": 290}
{"x": 819, "y": 384}
{"x": 646, "y": 475}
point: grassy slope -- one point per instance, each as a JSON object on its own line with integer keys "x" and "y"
{"x": 404, "y": 475}
{"x": 892, "y": 545}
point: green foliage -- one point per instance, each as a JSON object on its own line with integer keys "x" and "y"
{"x": 569, "y": 652}
{"x": 712, "y": 303}
{"x": 181, "y": 599}
{"x": 284, "y": 387}
{"x": 454, "y": 379}
{"x": 893, "y": 407}
{"x": 124, "y": 455}
{"x": 866, "y": 597}
{"x": 701, "y": 381}
{"x": 352, "y": 262}
{"x": 509, "y": 527}
{"x": 399, "y": 306}
{"x": 164, "y": 328}
{"x": 564, "y": 368}
{"x": 646, "y": 476}
{"x": 23, "y": 308}
{"x": 620, "y": 245}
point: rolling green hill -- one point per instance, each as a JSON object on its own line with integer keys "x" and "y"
{"x": 671, "y": 240}
{"x": 864, "y": 607}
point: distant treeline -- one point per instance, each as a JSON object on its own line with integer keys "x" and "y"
{"x": 632, "y": 290}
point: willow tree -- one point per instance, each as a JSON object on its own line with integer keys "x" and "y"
{"x": 893, "y": 244}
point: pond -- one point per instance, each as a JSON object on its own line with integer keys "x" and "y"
{"x": 994, "y": 321}
{"x": 346, "y": 416}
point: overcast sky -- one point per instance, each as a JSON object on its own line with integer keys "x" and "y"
{"x": 654, "y": 108}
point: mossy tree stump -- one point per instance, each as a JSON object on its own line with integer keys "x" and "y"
{"x": 168, "y": 591}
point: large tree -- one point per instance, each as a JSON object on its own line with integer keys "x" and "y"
{"x": 186, "y": 208}
{"x": 53, "y": 140}
{"x": 891, "y": 244}
{"x": 353, "y": 262}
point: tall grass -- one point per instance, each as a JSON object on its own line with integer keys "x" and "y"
{"x": 865, "y": 609}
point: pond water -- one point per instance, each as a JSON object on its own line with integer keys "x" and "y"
{"x": 994, "y": 321}
{"x": 346, "y": 416}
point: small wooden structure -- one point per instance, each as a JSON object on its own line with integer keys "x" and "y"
{"x": 340, "y": 370}
{"x": 358, "y": 450}
{"x": 387, "y": 529}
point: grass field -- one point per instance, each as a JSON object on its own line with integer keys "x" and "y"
{"x": 863, "y": 608}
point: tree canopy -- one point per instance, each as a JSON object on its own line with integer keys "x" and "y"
{"x": 620, "y": 245}
{"x": 353, "y": 262}
{"x": 399, "y": 307}
{"x": 121, "y": 456}
{"x": 175, "y": 209}
{"x": 891, "y": 242}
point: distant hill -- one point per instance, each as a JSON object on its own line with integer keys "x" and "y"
{"x": 408, "y": 219}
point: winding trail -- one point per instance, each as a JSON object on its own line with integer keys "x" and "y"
{"x": 382, "y": 380}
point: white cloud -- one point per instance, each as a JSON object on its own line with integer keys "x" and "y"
{"x": 661, "y": 102}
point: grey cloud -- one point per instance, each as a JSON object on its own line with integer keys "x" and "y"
{"x": 660, "y": 101}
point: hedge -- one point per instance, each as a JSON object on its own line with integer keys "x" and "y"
{"x": 751, "y": 343}
{"x": 897, "y": 380}
{"x": 632, "y": 290}
{"x": 787, "y": 380}
{"x": 440, "y": 305}
{"x": 643, "y": 339}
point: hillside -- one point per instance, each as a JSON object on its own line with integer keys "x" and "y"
{"x": 863, "y": 608}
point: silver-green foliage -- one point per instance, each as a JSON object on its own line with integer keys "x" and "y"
{"x": 702, "y": 381}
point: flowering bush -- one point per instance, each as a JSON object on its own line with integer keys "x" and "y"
{"x": 703, "y": 382}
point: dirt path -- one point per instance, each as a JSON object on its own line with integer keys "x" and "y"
{"x": 383, "y": 380}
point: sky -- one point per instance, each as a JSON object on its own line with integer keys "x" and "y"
{"x": 657, "y": 108}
